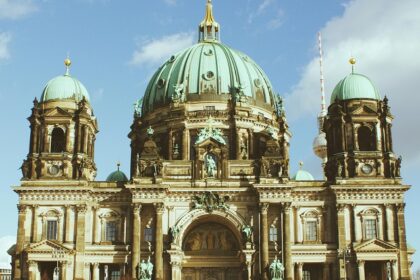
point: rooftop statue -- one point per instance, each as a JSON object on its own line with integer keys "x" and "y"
{"x": 211, "y": 132}
{"x": 145, "y": 270}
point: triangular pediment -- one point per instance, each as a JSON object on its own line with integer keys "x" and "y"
{"x": 375, "y": 245}
{"x": 363, "y": 109}
{"x": 58, "y": 112}
{"x": 209, "y": 141}
{"x": 47, "y": 246}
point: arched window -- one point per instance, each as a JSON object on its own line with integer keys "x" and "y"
{"x": 370, "y": 219}
{"x": 366, "y": 139}
{"x": 58, "y": 140}
{"x": 311, "y": 226}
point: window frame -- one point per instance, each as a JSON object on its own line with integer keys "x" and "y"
{"x": 314, "y": 216}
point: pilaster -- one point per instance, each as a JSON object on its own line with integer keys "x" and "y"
{"x": 159, "y": 242}
{"x": 287, "y": 244}
{"x": 404, "y": 265}
{"x": 264, "y": 240}
{"x": 135, "y": 243}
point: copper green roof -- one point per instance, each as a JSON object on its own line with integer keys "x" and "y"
{"x": 117, "y": 176}
{"x": 355, "y": 86}
{"x": 303, "y": 175}
{"x": 207, "y": 67}
{"x": 64, "y": 87}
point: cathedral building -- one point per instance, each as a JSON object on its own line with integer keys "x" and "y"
{"x": 209, "y": 195}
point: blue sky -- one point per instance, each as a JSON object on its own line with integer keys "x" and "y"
{"x": 116, "y": 45}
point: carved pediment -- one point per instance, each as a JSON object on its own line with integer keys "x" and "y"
{"x": 47, "y": 247}
{"x": 58, "y": 112}
{"x": 363, "y": 109}
{"x": 375, "y": 245}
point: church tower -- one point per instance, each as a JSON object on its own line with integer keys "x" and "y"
{"x": 358, "y": 129}
{"x": 63, "y": 130}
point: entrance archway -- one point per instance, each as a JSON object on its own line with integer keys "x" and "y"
{"x": 209, "y": 247}
{"x": 211, "y": 252}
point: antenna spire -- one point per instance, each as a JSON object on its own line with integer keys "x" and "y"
{"x": 321, "y": 71}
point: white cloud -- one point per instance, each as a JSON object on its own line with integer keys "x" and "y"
{"x": 383, "y": 36}
{"x": 262, "y": 7}
{"x": 5, "y": 243}
{"x": 14, "y": 9}
{"x": 4, "y": 45}
{"x": 170, "y": 2}
{"x": 277, "y": 21}
{"x": 156, "y": 51}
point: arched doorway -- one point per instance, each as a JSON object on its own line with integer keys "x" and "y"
{"x": 212, "y": 252}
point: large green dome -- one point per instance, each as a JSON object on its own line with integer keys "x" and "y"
{"x": 64, "y": 87}
{"x": 208, "y": 71}
{"x": 355, "y": 86}
{"x": 117, "y": 176}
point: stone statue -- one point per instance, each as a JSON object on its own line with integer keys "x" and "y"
{"x": 247, "y": 233}
{"x": 339, "y": 169}
{"x": 137, "y": 107}
{"x": 276, "y": 270}
{"x": 145, "y": 270}
{"x": 398, "y": 167}
{"x": 211, "y": 166}
{"x": 243, "y": 145}
{"x": 280, "y": 106}
{"x": 210, "y": 201}
{"x": 25, "y": 169}
{"x": 178, "y": 93}
{"x": 174, "y": 231}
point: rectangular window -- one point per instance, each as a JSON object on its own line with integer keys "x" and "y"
{"x": 111, "y": 231}
{"x": 311, "y": 231}
{"x": 210, "y": 108}
{"x": 370, "y": 229}
{"x": 115, "y": 274}
{"x": 273, "y": 234}
{"x": 148, "y": 234}
{"x": 52, "y": 230}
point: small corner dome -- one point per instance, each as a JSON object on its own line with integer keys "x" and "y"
{"x": 303, "y": 175}
{"x": 355, "y": 86}
{"x": 117, "y": 176}
{"x": 65, "y": 87}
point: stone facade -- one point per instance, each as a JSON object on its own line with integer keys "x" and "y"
{"x": 210, "y": 195}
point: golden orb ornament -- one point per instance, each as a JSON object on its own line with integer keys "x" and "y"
{"x": 352, "y": 61}
{"x": 67, "y": 62}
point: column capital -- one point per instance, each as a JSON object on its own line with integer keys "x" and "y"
{"x": 95, "y": 265}
{"x": 300, "y": 265}
{"x": 400, "y": 207}
{"x": 136, "y": 207}
{"x": 286, "y": 206}
{"x": 360, "y": 263}
{"x": 159, "y": 207}
{"x": 81, "y": 208}
{"x": 22, "y": 208}
{"x": 264, "y": 207}
{"x": 35, "y": 206}
{"x": 31, "y": 262}
{"x": 340, "y": 207}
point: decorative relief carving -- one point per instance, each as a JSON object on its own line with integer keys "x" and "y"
{"x": 210, "y": 201}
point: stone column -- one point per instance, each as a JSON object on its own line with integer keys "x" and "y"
{"x": 35, "y": 223}
{"x": 68, "y": 236}
{"x": 80, "y": 242}
{"x": 389, "y": 211}
{"x": 300, "y": 271}
{"x": 341, "y": 237}
{"x": 404, "y": 265}
{"x": 85, "y": 140}
{"x": 20, "y": 241}
{"x": 135, "y": 242}
{"x": 176, "y": 263}
{"x": 95, "y": 225}
{"x": 68, "y": 139}
{"x": 59, "y": 229}
{"x": 264, "y": 240}
{"x": 394, "y": 265}
{"x": 95, "y": 274}
{"x": 46, "y": 142}
{"x": 251, "y": 143}
{"x": 326, "y": 224}
{"x": 288, "y": 265}
{"x": 63, "y": 270}
{"x": 159, "y": 242}
{"x": 185, "y": 144}
{"x": 32, "y": 270}
{"x": 361, "y": 266}
{"x": 326, "y": 271}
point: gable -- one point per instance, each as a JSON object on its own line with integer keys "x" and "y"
{"x": 375, "y": 245}
{"x": 58, "y": 112}
{"x": 47, "y": 246}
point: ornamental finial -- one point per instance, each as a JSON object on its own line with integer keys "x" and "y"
{"x": 209, "y": 28}
{"x": 352, "y": 61}
{"x": 67, "y": 63}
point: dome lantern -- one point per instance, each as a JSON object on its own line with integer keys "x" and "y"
{"x": 209, "y": 28}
